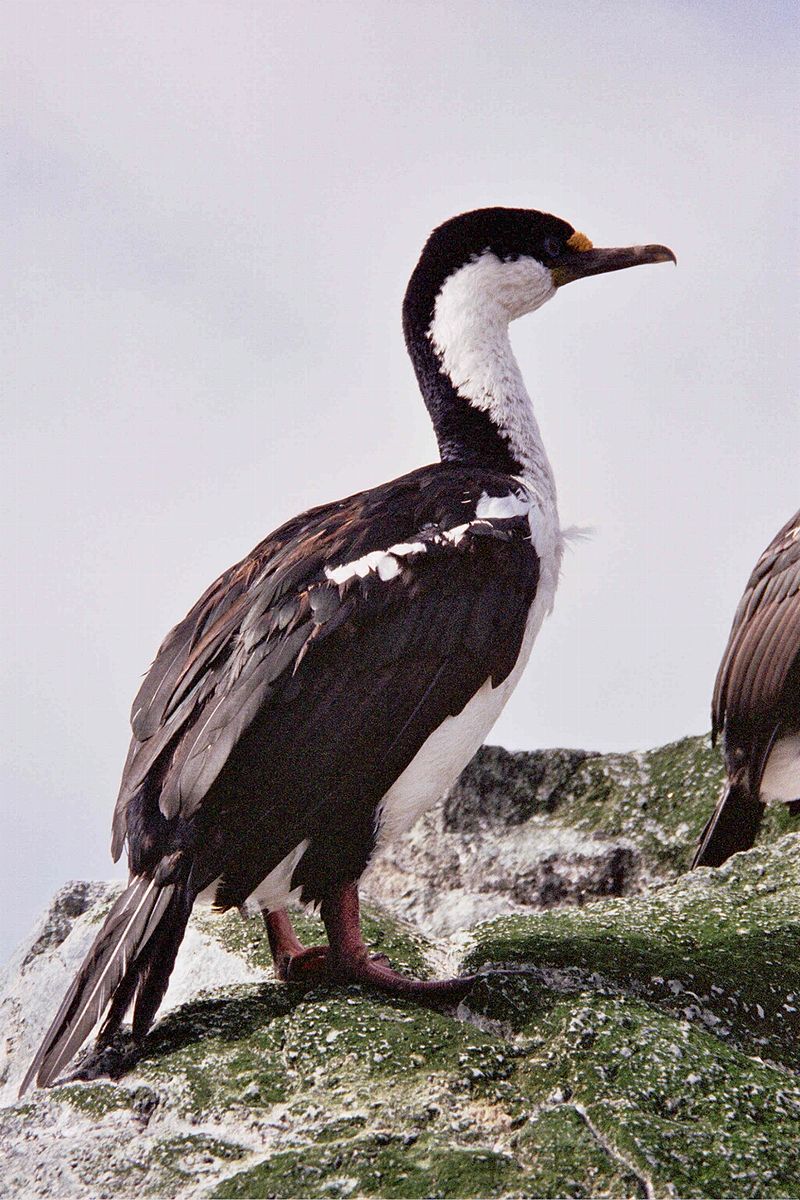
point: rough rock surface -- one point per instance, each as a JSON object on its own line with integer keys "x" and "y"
{"x": 537, "y": 829}
{"x": 645, "y": 1045}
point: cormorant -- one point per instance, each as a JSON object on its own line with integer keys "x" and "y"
{"x": 756, "y": 704}
{"x": 327, "y": 689}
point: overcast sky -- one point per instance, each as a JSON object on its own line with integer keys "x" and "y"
{"x": 209, "y": 217}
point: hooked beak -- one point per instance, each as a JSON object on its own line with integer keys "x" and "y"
{"x": 577, "y": 264}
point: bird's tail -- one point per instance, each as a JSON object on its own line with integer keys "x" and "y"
{"x": 733, "y": 825}
{"x": 132, "y": 955}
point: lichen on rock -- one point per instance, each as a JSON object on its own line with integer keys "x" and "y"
{"x": 642, "y": 1044}
{"x": 540, "y": 829}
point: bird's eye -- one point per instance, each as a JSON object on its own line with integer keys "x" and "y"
{"x": 552, "y": 247}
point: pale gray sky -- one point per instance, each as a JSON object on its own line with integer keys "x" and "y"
{"x": 209, "y": 216}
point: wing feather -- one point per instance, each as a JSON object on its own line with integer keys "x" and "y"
{"x": 285, "y": 700}
{"x": 762, "y": 657}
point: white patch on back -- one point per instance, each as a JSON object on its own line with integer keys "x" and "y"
{"x": 455, "y": 534}
{"x": 360, "y": 567}
{"x": 385, "y": 563}
{"x": 502, "y": 508}
{"x": 781, "y": 779}
{"x": 388, "y": 567}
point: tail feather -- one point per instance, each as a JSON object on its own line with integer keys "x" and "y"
{"x": 108, "y": 975}
{"x": 157, "y": 967}
{"x": 733, "y": 826}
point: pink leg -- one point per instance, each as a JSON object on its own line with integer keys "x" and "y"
{"x": 349, "y": 960}
{"x": 291, "y": 958}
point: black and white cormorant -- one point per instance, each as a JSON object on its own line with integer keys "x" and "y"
{"x": 756, "y": 704}
{"x": 327, "y": 689}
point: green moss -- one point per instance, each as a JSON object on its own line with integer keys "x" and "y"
{"x": 340, "y": 1129}
{"x": 182, "y": 1155}
{"x": 19, "y": 1111}
{"x": 659, "y": 800}
{"x": 622, "y": 1059}
{"x": 651, "y": 1017}
{"x": 223, "y": 1053}
{"x": 245, "y": 937}
{"x": 360, "y": 1037}
{"x": 720, "y": 948}
{"x": 685, "y": 781}
{"x": 644, "y": 1046}
{"x": 562, "y": 1157}
{"x": 388, "y": 1165}
{"x": 407, "y": 949}
{"x": 97, "y": 1099}
{"x": 261, "y": 1044}
{"x": 672, "y": 1100}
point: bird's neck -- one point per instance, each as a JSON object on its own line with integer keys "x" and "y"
{"x": 473, "y": 387}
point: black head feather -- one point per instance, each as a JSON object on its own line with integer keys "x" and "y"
{"x": 464, "y": 433}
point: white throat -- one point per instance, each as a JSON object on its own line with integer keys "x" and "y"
{"x": 469, "y": 333}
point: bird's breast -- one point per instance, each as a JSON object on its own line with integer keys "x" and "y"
{"x": 441, "y": 759}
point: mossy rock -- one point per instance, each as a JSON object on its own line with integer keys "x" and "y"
{"x": 657, "y": 800}
{"x": 398, "y": 1165}
{"x": 719, "y": 947}
{"x": 647, "y": 1046}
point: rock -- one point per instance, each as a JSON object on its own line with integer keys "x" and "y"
{"x": 71, "y": 901}
{"x": 530, "y": 830}
{"x": 34, "y": 982}
{"x": 646, "y": 1044}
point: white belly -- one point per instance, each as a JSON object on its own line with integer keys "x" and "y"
{"x": 441, "y": 759}
{"x": 781, "y": 779}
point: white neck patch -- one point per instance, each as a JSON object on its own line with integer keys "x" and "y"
{"x": 469, "y": 333}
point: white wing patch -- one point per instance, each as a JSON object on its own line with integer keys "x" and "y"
{"x": 386, "y": 563}
{"x": 455, "y": 534}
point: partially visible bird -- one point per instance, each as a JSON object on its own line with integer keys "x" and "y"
{"x": 332, "y": 685}
{"x": 756, "y": 705}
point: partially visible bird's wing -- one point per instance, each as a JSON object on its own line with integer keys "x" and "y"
{"x": 762, "y": 655}
{"x": 309, "y": 675}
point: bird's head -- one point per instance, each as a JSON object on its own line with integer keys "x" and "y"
{"x": 477, "y": 272}
{"x": 511, "y": 260}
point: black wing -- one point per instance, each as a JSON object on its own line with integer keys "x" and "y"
{"x": 762, "y": 659}
{"x": 289, "y": 700}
